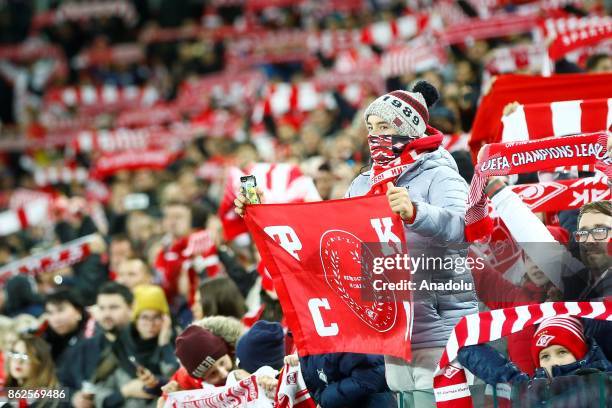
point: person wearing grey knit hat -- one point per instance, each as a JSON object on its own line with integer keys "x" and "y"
{"x": 423, "y": 186}
{"x": 405, "y": 112}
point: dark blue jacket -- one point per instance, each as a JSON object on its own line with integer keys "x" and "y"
{"x": 492, "y": 367}
{"x": 347, "y": 380}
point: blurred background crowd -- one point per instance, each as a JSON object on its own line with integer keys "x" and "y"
{"x": 121, "y": 122}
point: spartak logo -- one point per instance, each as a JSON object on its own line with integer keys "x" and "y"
{"x": 534, "y": 195}
{"x": 544, "y": 340}
{"x": 341, "y": 261}
{"x": 450, "y": 371}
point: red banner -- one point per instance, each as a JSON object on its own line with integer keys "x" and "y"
{"x": 109, "y": 164}
{"x": 313, "y": 252}
{"x": 563, "y": 194}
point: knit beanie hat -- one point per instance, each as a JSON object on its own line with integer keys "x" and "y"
{"x": 198, "y": 350}
{"x": 405, "y": 111}
{"x": 149, "y": 297}
{"x": 563, "y": 331}
{"x": 262, "y": 345}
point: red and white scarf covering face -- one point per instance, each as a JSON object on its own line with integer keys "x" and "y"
{"x": 392, "y": 154}
{"x": 502, "y": 159}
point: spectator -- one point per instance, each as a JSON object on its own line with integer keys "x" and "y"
{"x": 204, "y": 355}
{"x": 120, "y": 250}
{"x": 220, "y": 296}
{"x": 66, "y": 324}
{"x": 142, "y": 357}
{"x": 347, "y": 380}
{"x": 133, "y": 272}
{"x": 113, "y": 314}
{"x": 433, "y": 214}
{"x": 262, "y": 345}
{"x": 30, "y": 366}
{"x": 559, "y": 348}
{"x": 21, "y": 297}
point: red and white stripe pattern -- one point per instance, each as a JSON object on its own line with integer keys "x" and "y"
{"x": 450, "y": 386}
{"x": 536, "y": 121}
{"x": 496, "y": 26}
{"x": 24, "y": 214}
{"x": 201, "y": 249}
{"x": 280, "y": 183}
{"x": 56, "y": 258}
{"x": 292, "y": 391}
{"x": 102, "y": 97}
{"x": 511, "y": 59}
{"x": 106, "y": 141}
{"x": 281, "y": 98}
{"x": 456, "y": 142}
{"x": 154, "y": 116}
{"x": 568, "y": 34}
{"x": 109, "y": 164}
{"x": 419, "y": 55}
{"x": 87, "y": 10}
{"x": 46, "y": 176}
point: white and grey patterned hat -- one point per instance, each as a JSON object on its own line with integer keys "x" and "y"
{"x": 406, "y": 111}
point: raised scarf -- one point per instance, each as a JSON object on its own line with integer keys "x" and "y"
{"x": 501, "y": 159}
{"x": 390, "y": 160}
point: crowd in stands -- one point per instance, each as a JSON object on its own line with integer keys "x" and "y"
{"x": 127, "y": 274}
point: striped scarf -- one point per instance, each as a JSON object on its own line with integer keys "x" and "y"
{"x": 450, "y": 386}
{"x": 502, "y": 159}
{"x": 392, "y": 155}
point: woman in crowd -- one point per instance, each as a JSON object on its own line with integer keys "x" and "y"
{"x": 30, "y": 366}
{"x": 142, "y": 358}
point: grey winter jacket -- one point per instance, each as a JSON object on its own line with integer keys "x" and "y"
{"x": 439, "y": 194}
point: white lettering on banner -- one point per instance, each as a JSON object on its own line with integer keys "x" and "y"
{"x": 385, "y": 235}
{"x": 286, "y": 238}
{"x": 588, "y": 196}
{"x": 315, "y": 305}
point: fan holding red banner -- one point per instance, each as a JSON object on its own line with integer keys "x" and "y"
{"x": 422, "y": 186}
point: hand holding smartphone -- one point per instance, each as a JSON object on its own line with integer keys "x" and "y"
{"x": 248, "y": 186}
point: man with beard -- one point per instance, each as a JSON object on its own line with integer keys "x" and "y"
{"x": 113, "y": 313}
{"x": 593, "y": 237}
{"x": 594, "y": 283}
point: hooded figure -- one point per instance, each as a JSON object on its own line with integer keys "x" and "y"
{"x": 22, "y": 297}
{"x": 424, "y": 187}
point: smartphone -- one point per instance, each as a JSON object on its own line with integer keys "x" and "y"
{"x": 139, "y": 367}
{"x": 248, "y": 186}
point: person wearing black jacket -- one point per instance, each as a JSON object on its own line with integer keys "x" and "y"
{"x": 114, "y": 302}
{"x": 66, "y": 325}
{"x": 338, "y": 380}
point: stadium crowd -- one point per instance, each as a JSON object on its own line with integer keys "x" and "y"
{"x": 127, "y": 274}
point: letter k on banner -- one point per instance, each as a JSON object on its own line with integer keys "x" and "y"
{"x": 313, "y": 253}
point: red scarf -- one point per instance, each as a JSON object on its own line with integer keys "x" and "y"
{"x": 501, "y": 159}
{"x": 387, "y": 167}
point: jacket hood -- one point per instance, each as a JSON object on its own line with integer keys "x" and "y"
{"x": 594, "y": 359}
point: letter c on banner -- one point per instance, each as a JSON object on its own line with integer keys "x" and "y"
{"x": 315, "y": 305}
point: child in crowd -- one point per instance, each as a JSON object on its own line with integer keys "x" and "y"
{"x": 558, "y": 348}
